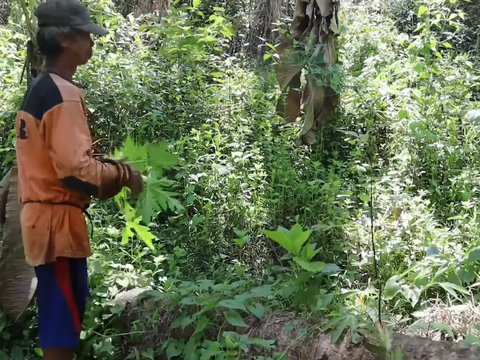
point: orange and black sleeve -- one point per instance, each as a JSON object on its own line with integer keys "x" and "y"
{"x": 69, "y": 143}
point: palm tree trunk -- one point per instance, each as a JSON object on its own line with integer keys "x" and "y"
{"x": 34, "y": 61}
{"x": 17, "y": 279}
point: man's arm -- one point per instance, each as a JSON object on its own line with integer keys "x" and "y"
{"x": 69, "y": 143}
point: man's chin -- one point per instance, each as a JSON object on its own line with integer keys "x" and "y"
{"x": 83, "y": 62}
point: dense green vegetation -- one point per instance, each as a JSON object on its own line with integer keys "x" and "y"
{"x": 237, "y": 222}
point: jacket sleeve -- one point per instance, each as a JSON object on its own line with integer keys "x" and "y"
{"x": 69, "y": 143}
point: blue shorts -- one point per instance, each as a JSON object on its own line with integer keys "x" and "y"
{"x": 62, "y": 293}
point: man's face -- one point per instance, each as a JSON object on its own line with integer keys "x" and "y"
{"x": 80, "y": 49}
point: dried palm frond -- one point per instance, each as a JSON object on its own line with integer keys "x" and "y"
{"x": 311, "y": 41}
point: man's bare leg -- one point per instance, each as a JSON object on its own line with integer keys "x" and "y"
{"x": 58, "y": 354}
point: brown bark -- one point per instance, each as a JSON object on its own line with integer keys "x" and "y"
{"x": 17, "y": 279}
{"x": 5, "y": 9}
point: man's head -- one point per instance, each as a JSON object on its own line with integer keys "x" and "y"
{"x": 65, "y": 30}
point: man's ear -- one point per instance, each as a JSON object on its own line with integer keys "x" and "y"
{"x": 64, "y": 41}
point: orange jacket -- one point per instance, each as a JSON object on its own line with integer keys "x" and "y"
{"x": 57, "y": 174}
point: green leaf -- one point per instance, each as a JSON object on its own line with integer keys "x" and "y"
{"x": 309, "y": 251}
{"x": 16, "y": 353}
{"x": 137, "y": 155}
{"x": 257, "y": 309}
{"x": 282, "y": 239}
{"x": 331, "y": 269}
{"x": 160, "y": 157}
{"x": 452, "y": 289}
{"x": 154, "y": 198}
{"x": 143, "y": 233}
{"x": 183, "y": 321}
{"x": 279, "y": 356}
{"x": 126, "y": 234}
{"x": 432, "y": 250}
{"x": 189, "y": 300}
{"x": 242, "y": 240}
{"x": 314, "y": 266}
{"x": 231, "y": 339}
{"x": 392, "y": 288}
{"x": 190, "y": 350}
{"x": 356, "y": 338}
{"x": 208, "y": 39}
{"x": 364, "y": 197}
{"x": 413, "y": 295}
{"x": 291, "y": 240}
{"x": 402, "y": 114}
{"x": 471, "y": 339}
{"x": 422, "y": 10}
{"x": 38, "y": 351}
{"x": 443, "y": 327}
{"x": 233, "y": 304}
{"x": 419, "y": 67}
{"x": 148, "y": 354}
{"x": 269, "y": 344}
{"x": 190, "y": 355}
{"x": 205, "y": 284}
{"x": 298, "y": 237}
{"x": 234, "y": 318}
{"x": 212, "y": 351}
{"x": 196, "y": 3}
{"x": 175, "y": 348}
{"x": 227, "y": 34}
{"x": 474, "y": 255}
{"x": 262, "y": 291}
{"x": 379, "y": 350}
{"x": 201, "y": 325}
{"x": 447, "y": 45}
{"x": 338, "y": 331}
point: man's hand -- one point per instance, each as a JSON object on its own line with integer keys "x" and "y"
{"x": 135, "y": 183}
{"x": 133, "y": 180}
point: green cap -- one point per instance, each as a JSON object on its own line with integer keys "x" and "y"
{"x": 70, "y": 13}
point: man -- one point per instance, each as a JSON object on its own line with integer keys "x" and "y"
{"x": 58, "y": 175}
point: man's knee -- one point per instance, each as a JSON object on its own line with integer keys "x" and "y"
{"x": 58, "y": 354}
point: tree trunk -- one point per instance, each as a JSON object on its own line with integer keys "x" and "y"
{"x": 5, "y": 8}
{"x": 17, "y": 279}
{"x": 34, "y": 60}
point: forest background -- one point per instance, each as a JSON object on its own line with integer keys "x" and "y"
{"x": 249, "y": 245}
